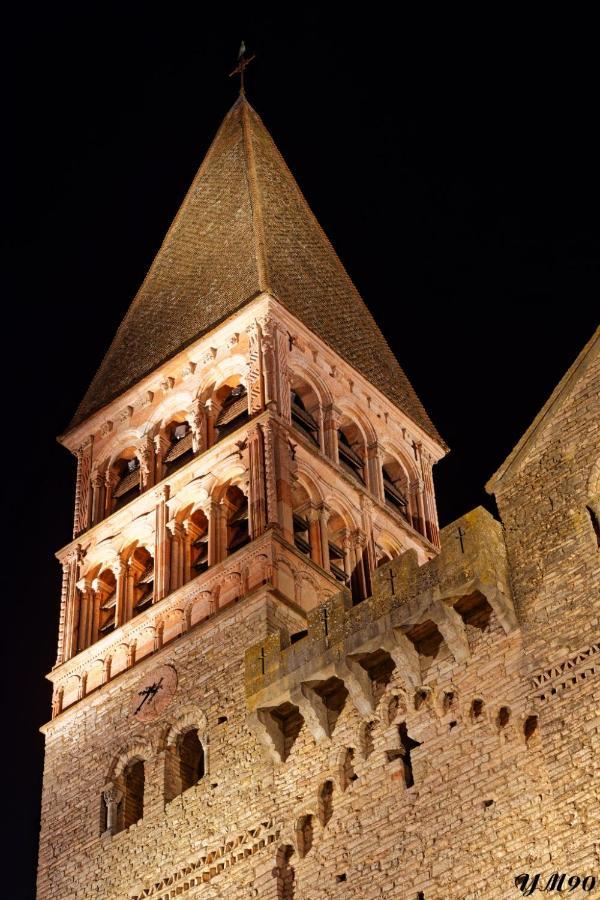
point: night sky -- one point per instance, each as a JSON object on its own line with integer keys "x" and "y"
{"x": 458, "y": 181}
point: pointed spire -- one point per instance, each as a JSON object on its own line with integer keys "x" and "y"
{"x": 244, "y": 228}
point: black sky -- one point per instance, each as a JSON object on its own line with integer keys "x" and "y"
{"x": 457, "y": 178}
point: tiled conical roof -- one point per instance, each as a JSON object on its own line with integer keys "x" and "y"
{"x": 243, "y": 228}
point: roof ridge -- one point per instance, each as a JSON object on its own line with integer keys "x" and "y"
{"x": 262, "y": 261}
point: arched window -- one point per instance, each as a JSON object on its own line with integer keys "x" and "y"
{"x": 236, "y": 505}
{"x": 302, "y": 532}
{"x": 382, "y": 556}
{"x": 336, "y": 531}
{"x": 385, "y": 550}
{"x": 395, "y": 487}
{"x": 179, "y": 436}
{"x": 233, "y": 409}
{"x": 351, "y": 450}
{"x": 184, "y": 764}
{"x": 143, "y": 581}
{"x": 305, "y": 409}
{"x": 198, "y": 527}
{"x": 125, "y": 478}
{"x": 133, "y": 793}
{"x": 106, "y": 598}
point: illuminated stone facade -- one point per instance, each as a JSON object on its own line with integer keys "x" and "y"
{"x": 275, "y": 677}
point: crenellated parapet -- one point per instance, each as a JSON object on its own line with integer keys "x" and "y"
{"x": 416, "y": 615}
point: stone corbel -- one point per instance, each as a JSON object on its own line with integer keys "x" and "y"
{"x": 357, "y": 683}
{"x": 268, "y": 732}
{"x": 405, "y": 656}
{"x": 313, "y": 710}
{"x": 451, "y": 628}
{"x": 500, "y": 603}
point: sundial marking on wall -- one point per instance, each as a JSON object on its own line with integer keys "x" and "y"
{"x": 153, "y": 693}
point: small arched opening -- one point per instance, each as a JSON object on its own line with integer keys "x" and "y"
{"x": 231, "y": 401}
{"x": 142, "y": 565}
{"x": 305, "y": 410}
{"x": 125, "y": 478}
{"x": 236, "y": 507}
{"x": 185, "y": 764}
{"x": 178, "y": 434}
{"x": 197, "y": 527}
{"x": 133, "y": 793}
{"x": 337, "y": 532}
{"x": 351, "y": 450}
{"x": 106, "y": 602}
{"x": 395, "y": 487}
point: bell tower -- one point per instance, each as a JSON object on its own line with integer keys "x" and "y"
{"x": 248, "y": 448}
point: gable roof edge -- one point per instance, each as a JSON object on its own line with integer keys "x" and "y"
{"x": 516, "y": 457}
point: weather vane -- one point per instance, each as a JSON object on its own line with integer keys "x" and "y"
{"x": 243, "y": 61}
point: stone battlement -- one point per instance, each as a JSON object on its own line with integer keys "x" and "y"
{"x": 415, "y": 614}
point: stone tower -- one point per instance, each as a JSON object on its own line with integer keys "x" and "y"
{"x": 276, "y": 678}
{"x": 248, "y": 448}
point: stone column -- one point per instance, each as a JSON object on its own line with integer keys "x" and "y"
{"x": 197, "y": 423}
{"x": 145, "y": 454}
{"x": 349, "y": 559}
{"x": 268, "y": 358}
{"x": 83, "y": 505}
{"x": 317, "y": 413}
{"x": 369, "y": 555}
{"x": 162, "y": 547}
{"x": 283, "y": 374}
{"x": 112, "y": 797}
{"x": 120, "y": 572}
{"x": 360, "y": 569}
{"x": 254, "y": 378}
{"x": 161, "y": 448}
{"x": 374, "y": 469}
{"x": 257, "y": 503}
{"x": 132, "y": 568}
{"x": 331, "y": 423}
{"x": 57, "y": 701}
{"x": 177, "y": 535}
{"x": 224, "y": 511}
{"x": 419, "y": 492}
{"x": 323, "y": 521}
{"x": 69, "y": 606}
{"x": 431, "y": 519}
{"x": 86, "y": 613}
{"x": 283, "y": 475}
{"x": 314, "y": 536}
{"x": 213, "y": 408}
{"x": 212, "y": 512}
{"x": 98, "y": 501}
{"x": 110, "y": 482}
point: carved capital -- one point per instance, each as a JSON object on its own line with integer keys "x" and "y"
{"x": 332, "y": 416}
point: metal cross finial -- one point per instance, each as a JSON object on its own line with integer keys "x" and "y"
{"x": 243, "y": 61}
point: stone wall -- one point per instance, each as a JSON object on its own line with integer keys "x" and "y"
{"x": 547, "y": 501}
{"x": 480, "y": 811}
